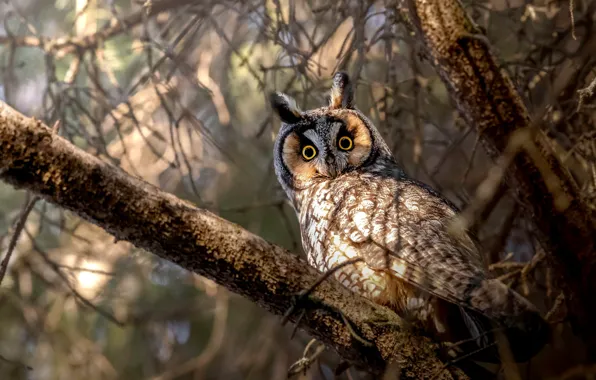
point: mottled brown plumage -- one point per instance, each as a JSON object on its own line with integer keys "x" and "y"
{"x": 353, "y": 200}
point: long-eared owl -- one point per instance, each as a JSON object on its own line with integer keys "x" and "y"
{"x": 354, "y": 201}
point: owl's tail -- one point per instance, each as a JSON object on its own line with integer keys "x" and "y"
{"x": 503, "y": 313}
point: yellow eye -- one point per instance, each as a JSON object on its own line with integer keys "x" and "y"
{"x": 309, "y": 152}
{"x": 345, "y": 143}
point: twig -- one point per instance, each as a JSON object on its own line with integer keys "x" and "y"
{"x": 529, "y": 268}
{"x": 585, "y": 93}
{"x": 572, "y": 17}
{"x": 520, "y": 140}
{"x": 215, "y": 342}
{"x": 82, "y": 269}
{"x": 556, "y": 308}
{"x": 305, "y": 293}
{"x": 14, "y": 362}
{"x": 506, "y": 265}
{"x": 304, "y": 363}
{"x": 67, "y": 45}
{"x": 298, "y": 320}
{"x": 17, "y": 232}
{"x": 77, "y": 295}
{"x": 509, "y": 275}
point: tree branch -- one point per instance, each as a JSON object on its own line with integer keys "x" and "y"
{"x": 486, "y": 97}
{"x": 33, "y": 158}
{"x": 67, "y": 45}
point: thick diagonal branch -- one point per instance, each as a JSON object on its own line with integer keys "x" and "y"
{"x": 33, "y": 158}
{"x": 487, "y": 98}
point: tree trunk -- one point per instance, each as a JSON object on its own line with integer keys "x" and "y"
{"x": 488, "y": 100}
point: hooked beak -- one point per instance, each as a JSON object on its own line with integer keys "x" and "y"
{"x": 330, "y": 169}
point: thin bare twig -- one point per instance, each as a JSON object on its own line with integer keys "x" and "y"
{"x": 306, "y": 361}
{"x": 306, "y": 292}
{"x": 585, "y": 93}
{"x": 27, "y": 208}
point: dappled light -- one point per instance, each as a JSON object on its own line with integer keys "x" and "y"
{"x": 159, "y": 106}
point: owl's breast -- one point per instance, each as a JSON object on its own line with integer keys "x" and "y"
{"x": 316, "y": 224}
{"x": 327, "y": 244}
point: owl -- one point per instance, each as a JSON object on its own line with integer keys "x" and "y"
{"x": 353, "y": 200}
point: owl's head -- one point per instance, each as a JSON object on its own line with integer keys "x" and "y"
{"x": 326, "y": 142}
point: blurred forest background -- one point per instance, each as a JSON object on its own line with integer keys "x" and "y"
{"x": 175, "y": 92}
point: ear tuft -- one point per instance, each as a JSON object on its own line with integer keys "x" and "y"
{"x": 342, "y": 92}
{"x": 286, "y": 107}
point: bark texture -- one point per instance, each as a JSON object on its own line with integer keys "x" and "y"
{"x": 33, "y": 158}
{"x": 488, "y": 100}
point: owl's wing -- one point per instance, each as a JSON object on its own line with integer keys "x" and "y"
{"x": 413, "y": 242}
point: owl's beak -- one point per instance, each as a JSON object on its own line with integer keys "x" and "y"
{"x": 331, "y": 168}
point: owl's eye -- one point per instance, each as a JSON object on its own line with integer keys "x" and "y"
{"x": 345, "y": 143}
{"x": 309, "y": 152}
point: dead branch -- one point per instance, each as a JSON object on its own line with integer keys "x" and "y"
{"x": 488, "y": 100}
{"x": 67, "y": 45}
{"x": 586, "y": 93}
{"x": 33, "y": 158}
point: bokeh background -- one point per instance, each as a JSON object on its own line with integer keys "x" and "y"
{"x": 175, "y": 92}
